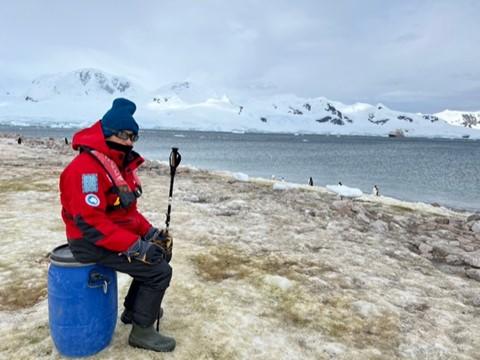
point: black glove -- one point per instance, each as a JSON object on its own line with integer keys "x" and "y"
{"x": 145, "y": 251}
{"x": 161, "y": 238}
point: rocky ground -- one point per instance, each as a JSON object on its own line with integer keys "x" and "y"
{"x": 260, "y": 271}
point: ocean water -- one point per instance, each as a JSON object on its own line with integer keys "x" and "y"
{"x": 440, "y": 171}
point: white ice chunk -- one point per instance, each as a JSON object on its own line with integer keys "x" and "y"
{"x": 240, "y": 176}
{"x": 345, "y": 191}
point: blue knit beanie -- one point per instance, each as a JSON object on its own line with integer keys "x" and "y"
{"x": 119, "y": 117}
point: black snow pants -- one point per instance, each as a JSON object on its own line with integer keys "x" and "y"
{"x": 150, "y": 281}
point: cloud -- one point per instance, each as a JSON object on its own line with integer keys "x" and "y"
{"x": 346, "y": 50}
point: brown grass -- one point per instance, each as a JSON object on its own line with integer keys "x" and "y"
{"x": 222, "y": 263}
{"x": 18, "y": 295}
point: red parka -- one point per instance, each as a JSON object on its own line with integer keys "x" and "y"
{"x": 90, "y": 204}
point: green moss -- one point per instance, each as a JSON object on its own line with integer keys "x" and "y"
{"x": 24, "y": 185}
{"x": 401, "y": 209}
{"x": 224, "y": 262}
{"x": 301, "y": 305}
{"x": 291, "y": 268}
{"x": 293, "y": 308}
{"x": 335, "y": 318}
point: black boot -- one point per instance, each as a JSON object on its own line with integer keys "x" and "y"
{"x": 147, "y": 338}
{"x": 144, "y": 313}
{"x": 126, "y": 316}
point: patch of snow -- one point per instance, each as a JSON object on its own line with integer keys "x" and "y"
{"x": 284, "y": 185}
{"x": 278, "y": 281}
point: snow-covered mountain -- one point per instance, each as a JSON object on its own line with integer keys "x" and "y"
{"x": 185, "y": 92}
{"x": 184, "y": 105}
{"x": 80, "y": 97}
{"x": 81, "y": 82}
{"x": 461, "y": 118}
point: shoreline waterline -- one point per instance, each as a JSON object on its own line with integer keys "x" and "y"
{"x": 386, "y": 200}
{"x": 439, "y": 209}
{"x": 441, "y": 171}
{"x": 5, "y": 127}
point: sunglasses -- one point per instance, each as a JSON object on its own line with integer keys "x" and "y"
{"x": 125, "y": 135}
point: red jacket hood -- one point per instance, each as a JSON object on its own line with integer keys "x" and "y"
{"x": 92, "y": 138}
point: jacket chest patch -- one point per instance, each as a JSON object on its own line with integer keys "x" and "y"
{"x": 89, "y": 183}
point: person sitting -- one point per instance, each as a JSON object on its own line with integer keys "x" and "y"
{"x": 99, "y": 191}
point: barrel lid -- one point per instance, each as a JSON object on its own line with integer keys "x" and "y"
{"x": 62, "y": 254}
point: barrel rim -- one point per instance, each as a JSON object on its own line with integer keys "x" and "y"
{"x": 61, "y": 261}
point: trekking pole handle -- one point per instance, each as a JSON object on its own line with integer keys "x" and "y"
{"x": 175, "y": 159}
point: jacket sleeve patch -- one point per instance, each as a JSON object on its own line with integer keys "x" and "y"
{"x": 92, "y": 200}
{"x": 89, "y": 183}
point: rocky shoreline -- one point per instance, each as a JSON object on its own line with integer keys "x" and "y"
{"x": 262, "y": 272}
{"x": 451, "y": 242}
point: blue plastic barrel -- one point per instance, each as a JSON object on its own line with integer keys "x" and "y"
{"x": 82, "y": 304}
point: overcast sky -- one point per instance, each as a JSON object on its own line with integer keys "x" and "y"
{"x": 412, "y": 55}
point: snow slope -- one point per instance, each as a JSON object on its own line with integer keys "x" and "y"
{"x": 461, "y": 118}
{"x": 80, "y": 97}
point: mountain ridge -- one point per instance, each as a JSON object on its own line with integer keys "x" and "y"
{"x": 77, "y": 97}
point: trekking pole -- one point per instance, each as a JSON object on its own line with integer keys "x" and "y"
{"x": 175, "y": 159}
